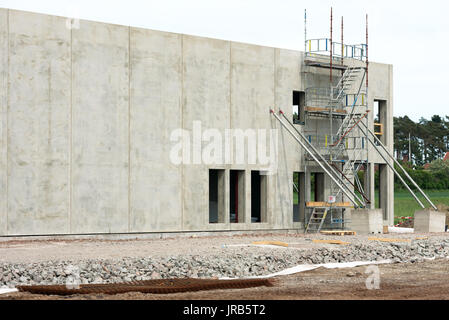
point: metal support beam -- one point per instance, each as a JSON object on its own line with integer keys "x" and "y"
{"x": 333, "y": 169}
{"x": 316, "y": 159}
{"x": 399, "y": 165}
{"x": 393, "y": 169}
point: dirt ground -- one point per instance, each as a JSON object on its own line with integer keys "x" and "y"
{"x": 75, "y": 250}
{"x": 425, "y": 280}
{"x": 420, "y": 281}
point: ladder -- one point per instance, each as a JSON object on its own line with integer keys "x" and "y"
{"x": 317, "y": 218}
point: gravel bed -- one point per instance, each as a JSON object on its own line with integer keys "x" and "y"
{"x": 232, "y": 262}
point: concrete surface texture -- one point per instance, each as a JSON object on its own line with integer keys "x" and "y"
{"x": 87, "y": 115}
{"x": 367, "y": 221}
{"x": 430, "y": 221}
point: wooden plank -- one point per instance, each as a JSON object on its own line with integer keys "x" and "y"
{"x": 331, "y": 242}
{"x": 422, "y": 238}
{"x": 317, "y": 109}
{"x": 325, "y": 204}
{"x": 272, "y": 243}
{"x": 339, "y": 233}
{"x": 389, "y": 240}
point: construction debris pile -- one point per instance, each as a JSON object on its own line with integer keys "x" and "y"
{"x": 233, "y": 263}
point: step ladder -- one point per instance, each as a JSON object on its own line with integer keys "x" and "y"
{"x": 316, "y": 219}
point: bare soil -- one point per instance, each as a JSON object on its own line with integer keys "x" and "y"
{"x": 419, "y": 281}
{"x": 424, "y": 280}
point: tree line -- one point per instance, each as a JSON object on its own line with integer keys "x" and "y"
{"x": 425, "y": 140}
{"x": 423, "y": 143}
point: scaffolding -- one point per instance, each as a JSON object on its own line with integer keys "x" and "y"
{"x": 343, "y": 104}
{"x": 340, "y": 147}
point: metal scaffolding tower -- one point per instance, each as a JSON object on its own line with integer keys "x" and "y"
{"x": 340, "y": 148}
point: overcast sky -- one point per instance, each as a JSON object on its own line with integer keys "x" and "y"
{"x": 411, "y": 35}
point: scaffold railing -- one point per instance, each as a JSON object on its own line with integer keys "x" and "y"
{"x": 339, "y": 50}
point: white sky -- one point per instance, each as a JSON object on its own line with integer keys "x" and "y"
{"x": 412, "y": 35}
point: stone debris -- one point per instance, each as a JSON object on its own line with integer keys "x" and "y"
{"x": 240, "y": 263}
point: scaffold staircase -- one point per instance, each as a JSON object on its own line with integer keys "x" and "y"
{"x": 343, "y": 151}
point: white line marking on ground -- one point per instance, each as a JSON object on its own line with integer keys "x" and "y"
{"x": 308, "y": 267}
{"x": 7, "y": 290}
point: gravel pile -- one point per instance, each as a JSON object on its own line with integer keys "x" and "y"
{"x": 242, "y": 262}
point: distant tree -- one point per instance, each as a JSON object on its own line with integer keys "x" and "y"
{"x": 429, "y": 139}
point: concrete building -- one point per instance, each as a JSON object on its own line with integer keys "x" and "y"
{"x": 89, "y": 113}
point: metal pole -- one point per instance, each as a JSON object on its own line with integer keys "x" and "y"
{"x": 394, "y": 170}
{"x": 331, "y": 167}
{"x": 367, "y": 60}
{"x": 331, "y": 51}
{"x": 316, "y": 159}
{"x": 400, "y": 166}
{"x": 305, "y": 32}
{"x": 334, "y": 171}
{"x": 342, "y": 43}
{"x": 409, "y": 148}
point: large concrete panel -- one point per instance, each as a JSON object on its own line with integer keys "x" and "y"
{"x": 252, "y": 86}
{"x": 38, "y": 122}
{"x": 252, "y": 97}
{"x": 206, "y": 98}
{"x": 156, "y": 92}
{"x": 100, "y": 131}
{"x": 288, "y": 67}
{"x": 3, "y": 118}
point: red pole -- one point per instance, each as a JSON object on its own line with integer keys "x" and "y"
{"x": 331, "y": 53}
{"x": 342, "y": 38}
{"x": 367, "y": 61}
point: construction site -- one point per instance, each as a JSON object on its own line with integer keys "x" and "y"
{"x": 131, "y": 157}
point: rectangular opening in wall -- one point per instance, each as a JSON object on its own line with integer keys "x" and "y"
{"x": 376, "y": 186}
{"x": 299, "y": 98}
{"x": 237, "y": 196}
{"x": 380, "y": 180}
{"x": 380, "y": 119}
{"x": 317, "y": 187}
{"x": 258, "y": 197}
{"x": 296, "y": 197}
{"x": 216, "y": 196}
{"x": 383, "y": 195}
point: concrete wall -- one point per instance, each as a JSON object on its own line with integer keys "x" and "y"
{"x": 38, "y": 124}
{"x": 155, "y": 110}
{"x": 3, "y": 120}
{"x": 87, "y": 115}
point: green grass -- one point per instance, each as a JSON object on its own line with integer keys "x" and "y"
{"x": 405, "y": 205}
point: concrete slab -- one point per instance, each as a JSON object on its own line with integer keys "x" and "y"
{"x": 155, "y": 111}
{"x": 366, "y": 221}
{"x": 38, "y": 124}
{"x": 100, "y": 132}
{"x": 206, "y": 98}
{"x": 429, "y": 221}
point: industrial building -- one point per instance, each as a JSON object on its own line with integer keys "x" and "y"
{"x": 92, "y": 115}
